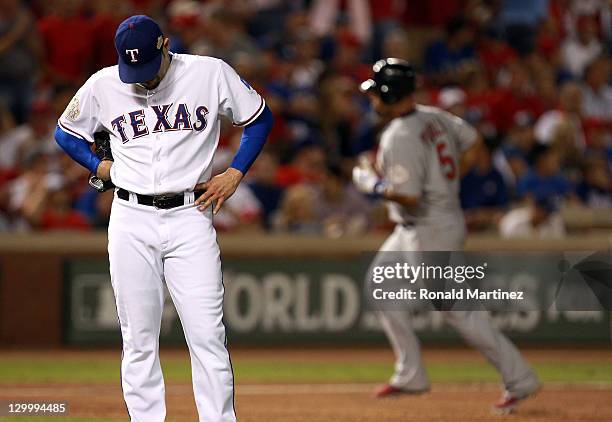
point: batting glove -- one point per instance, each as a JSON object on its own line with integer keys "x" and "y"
{"x": 366, "y": 180}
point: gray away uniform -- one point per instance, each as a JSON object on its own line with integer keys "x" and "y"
{"x": 419, "y": 156}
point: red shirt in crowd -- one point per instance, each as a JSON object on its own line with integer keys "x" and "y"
{"x": 480, "y": 103}
{"x": 69, "y": 44}
{"x": 104, "y": 39}
{"x": 432, "y": 12}
{"x": 71, "y": 220}
{"x": 506, "y": 103}
{"x": 494, "y": 55}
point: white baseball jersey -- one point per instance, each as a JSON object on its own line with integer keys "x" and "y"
{"x": 163, "y": 140}
{"x": 419, "y": 156}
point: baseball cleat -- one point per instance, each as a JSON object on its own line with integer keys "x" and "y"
{"x": 508, "y": 403}
{"x": 388, "y": 391}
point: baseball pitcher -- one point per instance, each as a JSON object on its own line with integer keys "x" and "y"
{"x": 155, "y": 117}
{"x": 418, "y": 172}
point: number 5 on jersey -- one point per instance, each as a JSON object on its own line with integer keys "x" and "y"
{"x": 434, "y": 134}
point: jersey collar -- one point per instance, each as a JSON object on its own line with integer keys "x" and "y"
{"x": 408, "y": 113}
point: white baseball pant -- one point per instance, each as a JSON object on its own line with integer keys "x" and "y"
{"x": 475, "y": 327}
{"x": 147, "y": 247}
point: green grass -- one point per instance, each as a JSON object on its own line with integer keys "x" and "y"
{"x": 19, "y": 370}
{"x": 99, "y": 370}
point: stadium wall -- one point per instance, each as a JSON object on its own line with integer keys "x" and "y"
{"x": 55, "y": 291}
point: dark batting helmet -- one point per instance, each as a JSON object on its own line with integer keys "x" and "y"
{"x": 393, "y": 79}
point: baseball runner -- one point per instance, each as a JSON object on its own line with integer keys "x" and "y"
{"x": 418, "y": 162}
{"x": 155, "y": 117}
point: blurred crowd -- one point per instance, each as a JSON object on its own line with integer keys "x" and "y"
{"x": 532, "y": 75}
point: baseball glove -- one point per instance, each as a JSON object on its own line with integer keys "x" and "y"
{"x": 103, "y": 151}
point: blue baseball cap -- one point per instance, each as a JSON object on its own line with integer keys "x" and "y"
{"x": 139, "y": 41}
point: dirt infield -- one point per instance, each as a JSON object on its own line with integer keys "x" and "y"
{"x": 343, "y": 402}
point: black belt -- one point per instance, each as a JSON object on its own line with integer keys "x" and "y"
{"x": 408, "y": 224}
{"x": 164, "y": 202}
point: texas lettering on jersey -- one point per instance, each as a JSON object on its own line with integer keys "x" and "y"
{"x": 181, "y": 119}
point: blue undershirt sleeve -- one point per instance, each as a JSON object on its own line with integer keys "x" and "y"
{"x": 78, "y": 149}
{"x": 253, "y": 139}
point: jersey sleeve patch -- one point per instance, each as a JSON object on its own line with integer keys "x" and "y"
{"x": 398, "y": 174}
{"x": 73, "y": 110}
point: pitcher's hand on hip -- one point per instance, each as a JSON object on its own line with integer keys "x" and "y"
{"x": 218, "y": 189}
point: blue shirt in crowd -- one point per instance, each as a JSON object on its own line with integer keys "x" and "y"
{"x": 439, "y": 57}
{"x": 523, "y": 12}
{"x": 533, "y": 184}
{"x": 483, "y": 190}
